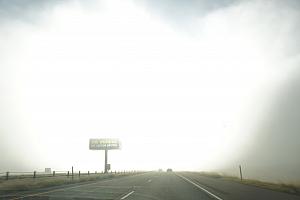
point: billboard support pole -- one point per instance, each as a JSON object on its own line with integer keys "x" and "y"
{"x": 105, "y": 164}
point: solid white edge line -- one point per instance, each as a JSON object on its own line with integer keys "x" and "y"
{"x": 198, "y": 186}
{"x": 127, "y": 195}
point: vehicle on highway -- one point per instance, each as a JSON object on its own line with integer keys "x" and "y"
{"x": 169, "y": 170}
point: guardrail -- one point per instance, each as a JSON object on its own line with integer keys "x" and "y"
{"x": 36, "y": 174}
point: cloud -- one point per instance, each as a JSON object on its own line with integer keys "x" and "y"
{"x": 24, "y": 10}
{"x": 181, "y": 12}
{"x": 31, "y": 11}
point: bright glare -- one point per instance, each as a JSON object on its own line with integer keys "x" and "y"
{"x": 174, "y": 99}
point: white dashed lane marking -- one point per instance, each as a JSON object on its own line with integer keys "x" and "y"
{"x": 127, "y": 195}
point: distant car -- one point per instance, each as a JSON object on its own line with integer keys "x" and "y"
{"x": 169, "y": 170}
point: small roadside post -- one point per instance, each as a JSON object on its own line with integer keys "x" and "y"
{"x": 72, "y": 173}
{"x": 241, "y": 175}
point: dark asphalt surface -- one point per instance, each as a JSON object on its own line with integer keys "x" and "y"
{"x": 156, "y": 186}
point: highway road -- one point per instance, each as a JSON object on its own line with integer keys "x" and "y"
{"x": 155, "y": 186}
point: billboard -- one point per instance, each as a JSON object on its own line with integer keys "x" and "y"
{"x": 104, "y": 144}
{"x": 48, "y": 170}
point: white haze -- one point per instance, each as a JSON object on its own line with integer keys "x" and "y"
{"x": 190, "y": 94}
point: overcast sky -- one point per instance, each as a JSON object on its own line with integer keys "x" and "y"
{"x": 192, "y": 85}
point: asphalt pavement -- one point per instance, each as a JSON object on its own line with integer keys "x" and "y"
{"x": 155, "y": 186}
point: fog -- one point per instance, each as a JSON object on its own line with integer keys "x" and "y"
{"x": 191, "y": 85}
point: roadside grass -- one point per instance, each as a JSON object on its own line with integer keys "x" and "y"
{"x": 281, "y": 187}
{"x": 15, "y": 185}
